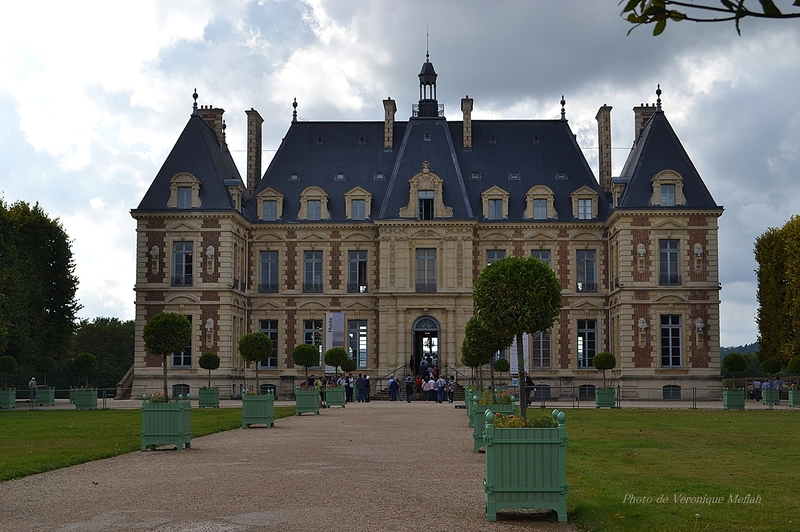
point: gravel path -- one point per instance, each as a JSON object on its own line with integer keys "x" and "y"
{"x": 375, "y": 466}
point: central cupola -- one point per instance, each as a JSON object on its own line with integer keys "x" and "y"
{"x": 428, "y": 105}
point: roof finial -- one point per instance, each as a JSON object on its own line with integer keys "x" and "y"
{"x": 194, "y": 106}
{"x": 294, "y": 113}
{"x": 224, "y": 126}
{"x": 427, "y": 45}
{"x": 563, "y": 103}
{"x": 658, "y": 99}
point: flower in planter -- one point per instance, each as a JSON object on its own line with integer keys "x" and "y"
{"x": 157, "y": 397}
{"x": 502, "y": 421}
{"x": 249, "y": 392}
{"x": 488, "y": 398}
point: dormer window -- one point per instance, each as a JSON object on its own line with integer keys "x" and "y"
{"x": 380, "y": 176}
{"x": 668, "y": 195}
{"x": 320, "y": 141}
{"x": 425, "y": 196}
{"x": 184, "y": 197}
{"x": 495, "y": 203}
{"x": 514, "y": 176}
{"x": 425, "y": 204}
{"x": 584, "y": 203}
{"x": 539, "y": 203}
{"x": 184, "y": 191}
{"x": 341, "y": 176}
{"x": 475, "y": 176}
{"x": 294, "y": 177}
{"x": 667, "y": 189}
{"x": 313, "y": 205}
{"x": 270, "y": 205}
{"x": 357, "y": 204}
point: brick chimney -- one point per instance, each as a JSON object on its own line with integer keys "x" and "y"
{"x": 254, "y": 122}
{"x": 212, "y": 117}
{"x": 641, "y": 115}
{"x": 390, "y": 109}
{"x": 604, "y": 142}
{"x": 466, "y": 109}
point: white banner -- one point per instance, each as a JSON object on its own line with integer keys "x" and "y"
{"x": 334, "y": 334}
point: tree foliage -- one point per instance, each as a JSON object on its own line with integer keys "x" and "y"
{"x": 111, "y": 341}
{"x": 659, "y": 12}
{"x": 167, "y": 333}
{"x": 209, "y": 361}
{"x": 8, "y": 364}
{"x": 771, "y": 367}
{"x": 336, "y": 356}
{"x": 305, "y": 355}
{"x": 515, "y": 296}
{"x": 255, "y": 347}
{"x": 734, "y": 362}
{"x": 349, "y": 365}
{"x": 83, "y": 364}
{"x": 45, "y": 365}
{"x": 481, "y": 344}
{"x": 604, "y": 361}
{"x": 37, "y": 285}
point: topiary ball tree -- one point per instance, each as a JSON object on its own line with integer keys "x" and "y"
{"x": 482, "y": 344}
{"x": 604, "y": 361}
{"x": 209, "y": 361}
{"x": 305, "y": 355}
{"x": 167, "y": 333}
{"x": 771, "y": 367}
{"x": 8, "y": 364}
{"x": 336, "y": 356}
{"x": 501, "y": 365}
{"x": 734, "y": 362}
{"x": 349, "y": 365}
{"x": 83, "y": 364}
{"x": 256, "y": 347}
{"x": 45, "y": 365}
{"x": 794, "y": 367}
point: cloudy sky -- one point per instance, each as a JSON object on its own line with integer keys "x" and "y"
{"x": 93, "y": 96}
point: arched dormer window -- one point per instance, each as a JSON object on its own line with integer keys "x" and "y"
{"x": 313, "y": 205}
{"x": 184, "y": 191}
{"x": 540, "y": 203}
{"x": 495, "y": 203}
{"x": 270, "y": 205}
{"x": 358, "y": 204}
{"x": 584, "y": 203}
{"x": 425, "y": 196}
{"x": 667, "y": 189}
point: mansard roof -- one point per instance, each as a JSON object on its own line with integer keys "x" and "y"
{"x": 197, "y": 152}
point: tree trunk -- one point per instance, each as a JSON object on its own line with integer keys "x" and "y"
{"x": 523, "y": 404}
{"x": 165, "y": 379}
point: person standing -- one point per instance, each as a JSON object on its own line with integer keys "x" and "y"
{"x": 451, "y": 389}
{"x": 367, "y": 389}
{"x": 360, "y": 383}
{"x": 348, "y": 391}
{"x": 431, "y": 388}
{"x": 441, "y": 389}
{"x": 757, "y": 390}
{"x": 409, "y": 387}
{"x": 394, "y": 389}
{"x": 528, "y": 388}
{"x": 32, "y": 388}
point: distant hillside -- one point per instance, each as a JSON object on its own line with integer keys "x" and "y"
{"x": 741, "y": 349}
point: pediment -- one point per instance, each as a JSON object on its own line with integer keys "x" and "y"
{"x": 312, "y": 304}
{"x": 268, "y": 236}
{"x": 181, "y": 299}
{"x": 585, "y": 190}
{"x": 313, "y": 237}
{"x": 183, "y": 225}
{"x": 667, "y": 225}
{"x": 540, "y": 235}
{"x": 426, "y": 233}
{"x": 357, "y": 305}
{"x": 495, "y": 236}
{"x": 268, "y": 304}
{"x": 358, "y": 236}
{"x": 670, "y": 299}
{"x": 585, "y": 235}
{"x": 585, "y": 304}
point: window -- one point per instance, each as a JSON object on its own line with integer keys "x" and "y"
{"x": 184, "y": 358}
{"x": 540, "y": 203}
{"x": 184, "y": 197}
{"x": 667, "y": 195}
{"x": 294, "y": 177}
{"x": 182, "y": 273}
{"x": 668, "y": 263}
{"x": 561, "y": 176}
{"x": 426, "y": 270}
{"x": 540, "y": 350}
{"x": 667, "y": 189}
{"x": 587, "y": 342}
{"x": 495, "y": 209}
{"x": 380, "y": 176}
{"x": 670, "y": 341}
{"x": 671, "y": 391}
{"x": 494, "y": 254}
{"x": 270, "y": 210}
{"x": 584, "y": 209}
{"x": 312, "y": 271}
{"x": 586, "y": 271}
{"x": 340, "y": 176}
{"x": 475, "y": 176}
{"x": 314, "y": 210}
{"x": 541, "y": 254}
{"x": 268, "y": 269}
{"x": 540, "y": 209}
{"x": 312, "y": 334}
{"x": 180, "y": 389}
{"x": 514, "y": 176}
{"x": 425, "y": 202}
{"x": 358, "y": 209}
{"x": 357, "y": 341}
{"x": 270, "y": 328}
{"x": 357, "y": 271}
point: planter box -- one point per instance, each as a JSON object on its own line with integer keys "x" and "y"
{"x": 334, "y": 397}
{"x": 208, "y": 398}
{"x": 794, "y": 397}
{"x": 526, "y": 468}
{"x": 45, "y": 396}
{"x": 771, "y": 396}
{"x": 86, "y": 399}
{"x": 258, "y": 410}
{"x": 733, "y": 399}
{"x": 306, "y": 400}
{"x": 605, "y": 397}
{"x": 479, "y": 415}
{"x": 167, "y": 423}
{"x": 8, "y": 399}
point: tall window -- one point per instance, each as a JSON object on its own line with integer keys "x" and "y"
{"x": 184, "y": 358}
{"x": 270, "y": 210}
{"x": 184, "y": 197}
{"x": 314, "y": 210}
{"x": 667, "y": 195}
{"x": 357, "y": 271}
{"x": 312, "y": 334}
{"x": 494, "y": 254}
{"x": 312, "y": 271}
{"x": 182, "y": 273}
{"x": 670, "y": 341}
{"x": 358, "y": 209}
{"x": 587, "y": 342}
{"x": 425, "y": 202}
{"x": 540, "y": 209}
{"x": 541, "y": 254}
{"x": 495, "y": 209}
{"x": 540, "y": 350}
{"x": 669, "y": 261}
{"x": 270, "y": 328}
{"x": 268, "y": 268}
{"x": 357, "y": 341}
{"x": 584, "y": 209}
{"x": 426, "y": 270}
{"x": 587, "y": 281}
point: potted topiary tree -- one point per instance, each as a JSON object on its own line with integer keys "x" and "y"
{"x": 8, "y": 396}
{"x": 85, "y": 397}
{"x": 257, "y": 409}
{"x": 256, "y": 347}
{"x": 770, "y": 395}
{"x": 733, "y": 398}
{"x": 208, "y": 397}
{"x": 306, "y": 397}
{"x": 501, "y": 365}
{"x": 45, "y": 395}
{"x": 334, "y": 395}
{"x": 794, "y": 388}
{"x": 604, "y": 396}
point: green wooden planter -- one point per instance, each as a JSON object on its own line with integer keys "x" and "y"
{"x": 306, "y": 400}
{"x": 478, "y": 416}
{"x": 45, "y": 396}
{"x": 733, "y": 399}
{"x": 468, "y": 402}
{"x": 8, "y": 399}
{"x": 334, "y": 396}
{"x": 86, "y": 399}
{"x": 258, "y": 410}
{"x": 526, "y": 468}
{"x": 605, "y": 397}
{"x": 72, "y": 395}
{"x": 167, "y": 423}
{"x": 770, "y": 396}
{"x": 208, "y": 398}
{"x": 794, "y": 397}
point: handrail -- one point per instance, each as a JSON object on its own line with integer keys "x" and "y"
{"x": 449, "y": 367}
{"x": 393, "y": 373}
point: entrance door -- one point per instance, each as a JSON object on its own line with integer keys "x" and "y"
{"x": 425, "y": 342}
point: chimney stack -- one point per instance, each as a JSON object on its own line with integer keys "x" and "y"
{"x": 466, "y": 109}
{"x": 641, "y": 116}
{"x": 604, "y": 142}
{"x": 213, "y": 117}
{"x": 254, "y": 122}
{"x": 390, "y": 109}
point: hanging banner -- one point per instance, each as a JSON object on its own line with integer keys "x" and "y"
{"x": 334, "y": 334}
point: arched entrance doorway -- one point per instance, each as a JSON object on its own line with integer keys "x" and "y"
{"x": 425, "y": 341}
